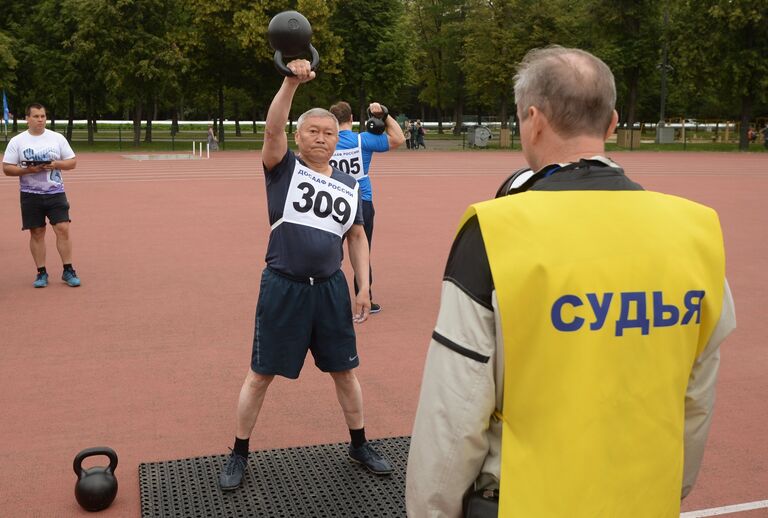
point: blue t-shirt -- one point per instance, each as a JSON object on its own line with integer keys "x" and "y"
{"x": 303, "y": 250}
{"x": 371, "y": 144}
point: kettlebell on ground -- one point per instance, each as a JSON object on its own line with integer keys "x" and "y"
{"x": 96, "y": 487}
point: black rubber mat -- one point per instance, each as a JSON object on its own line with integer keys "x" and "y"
{"x": 308, "y": 481}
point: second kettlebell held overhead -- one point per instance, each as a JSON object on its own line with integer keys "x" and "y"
{"x": 290, "y": 33}
{"x": 375, "y": 123}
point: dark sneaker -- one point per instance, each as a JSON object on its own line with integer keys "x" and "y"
{"x": 70, "y": 277}
{"x": 370, "y": 458}
{"x": 375, "y": 308}
{"x": 41, "y": 281}
{"x": 232, "y": 474}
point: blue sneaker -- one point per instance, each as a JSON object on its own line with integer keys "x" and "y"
{"x": 41, "y": 281}
{"x": 231, "y": 475}
{"x": 370, "y": 458}
{"x": 70, "y": 277}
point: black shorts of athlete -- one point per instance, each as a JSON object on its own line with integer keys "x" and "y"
{"x": 36, "y": 207}
{"x": 293, "y": 316}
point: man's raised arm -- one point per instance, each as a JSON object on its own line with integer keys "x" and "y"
{"x": 275, "y": 139}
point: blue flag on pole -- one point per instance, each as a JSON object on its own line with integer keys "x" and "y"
{"x": 5, "y": 108}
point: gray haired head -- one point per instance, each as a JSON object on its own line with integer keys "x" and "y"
{"x": 575, "y": 90}
{"x": 316, "y": 112}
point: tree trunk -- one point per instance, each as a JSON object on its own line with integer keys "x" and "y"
{"x": 221, "y": 116}
{"x": 503, "y": 115}
{"x": 237, "y": 119}
{"x": 174, "y": 121}
{"x": 89, "y": 116}
{"x": 16, "y": 123}
{"x": 633, "y": 81}
{"x": 439, "y": 120}
{"x": 53, "y": 118}
{"x": 150, "y": 117}
{"x": 71, "y": 115}
{"x": 458, "y": 117}
{"x": 137, "y": 123}
{"x": 363, "y": 106}
{"x": 254, "y": 115}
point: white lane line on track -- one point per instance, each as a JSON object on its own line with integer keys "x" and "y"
{"x": 728, "y": 509}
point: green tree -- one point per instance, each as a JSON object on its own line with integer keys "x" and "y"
{"x": 629, "y": 42}
{"x": 130, "y": 42}
{"x": 719, "y": 53}
{"x": 8, "y": 62}
{"x": 491, "y": 53}
{"x": 440, "y": 27}
{"x": 376, "y": 65}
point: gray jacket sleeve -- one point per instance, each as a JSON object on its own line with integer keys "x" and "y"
{"x": 450, "y": 441}
{"x": 700, "y": 396}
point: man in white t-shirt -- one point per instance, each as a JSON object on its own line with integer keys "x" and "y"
{"x": 38, "y": 156}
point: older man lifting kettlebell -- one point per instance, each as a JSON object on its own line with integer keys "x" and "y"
{"x": 304, "y": 302}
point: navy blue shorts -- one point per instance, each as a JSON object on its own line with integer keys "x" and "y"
{"x": 293, "y": 316}
{"x": 36, "y": 207}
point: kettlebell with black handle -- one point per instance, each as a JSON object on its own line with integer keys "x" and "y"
{"x": 375, "y": 123}
{"x": 289, "y": 33}
{"x": 96, "y": 487}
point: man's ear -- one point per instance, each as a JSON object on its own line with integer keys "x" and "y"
{"x": 538, "y": 122}
{"x": 612, "y": 125}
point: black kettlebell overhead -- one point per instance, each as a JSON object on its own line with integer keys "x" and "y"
{"x": 96, "y": 487}
{"x": 376, "y": 124}
{"x": 289, "y": 33}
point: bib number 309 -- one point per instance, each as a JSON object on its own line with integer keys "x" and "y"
{"x": 322, "y": 204}
{"x": 350, "y": 166}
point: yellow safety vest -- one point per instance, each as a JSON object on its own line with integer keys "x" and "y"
{"x": 606, "y": 300}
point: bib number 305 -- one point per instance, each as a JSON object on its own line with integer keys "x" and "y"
{"x": 323, "y": 204}
{"x": 350, "y": 166}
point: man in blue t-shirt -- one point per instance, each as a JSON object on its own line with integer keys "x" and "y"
{"x": 353, "y": 156}
{"x": 304, "y": 302}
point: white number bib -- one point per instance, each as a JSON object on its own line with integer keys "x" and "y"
{"x": 318, "y": 201}
{"x": 349, "y": 161}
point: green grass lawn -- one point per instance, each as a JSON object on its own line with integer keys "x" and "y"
{"x": 110, "y": 138}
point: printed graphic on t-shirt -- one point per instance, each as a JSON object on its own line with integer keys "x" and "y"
{"x": 318, "y": 201}
{"x": 43, "y": 155}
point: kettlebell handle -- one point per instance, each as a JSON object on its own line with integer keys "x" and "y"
{"x": 90, "y": 452}
{"x": 283, "y": 69}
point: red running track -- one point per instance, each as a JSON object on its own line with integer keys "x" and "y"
{"x": 148, "y": 355}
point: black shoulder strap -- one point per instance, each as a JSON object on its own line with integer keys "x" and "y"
{"x": 519, "y": 181}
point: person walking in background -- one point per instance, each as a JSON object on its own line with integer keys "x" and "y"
{"x": 407, "y": 133}
{"x": 420, "y": 135}
{"x": 38, "y": 156}
{"x": 213, "y": 141}
{"x": 353, "y": 156}
{"x": 572, "y": 368}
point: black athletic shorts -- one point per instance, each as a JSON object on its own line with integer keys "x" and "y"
{"x": 36, "y": 207}
{"x": 295, "y": 315}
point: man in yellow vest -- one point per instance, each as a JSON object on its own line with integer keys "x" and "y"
{"x": 574, "y": 359}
